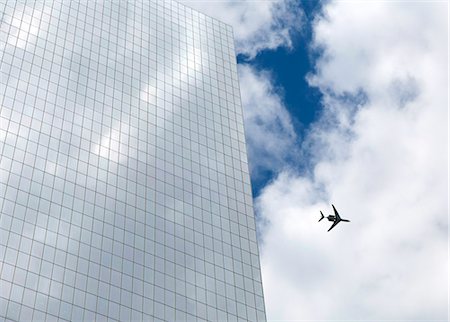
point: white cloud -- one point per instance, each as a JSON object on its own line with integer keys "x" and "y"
{"x": 257, "y": 25}
{"x": 271, "y": 138}
{"x": 380, "y": 153}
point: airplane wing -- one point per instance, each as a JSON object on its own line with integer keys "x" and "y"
{"x": 334, "y": 224}
{"x": 338, "y": 218}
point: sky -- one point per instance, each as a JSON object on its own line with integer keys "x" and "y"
{"x": 346, "y": 102}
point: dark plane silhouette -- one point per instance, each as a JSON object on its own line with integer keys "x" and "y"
{"x": 336, "y": 218}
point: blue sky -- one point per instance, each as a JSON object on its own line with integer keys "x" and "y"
{"x": 289, "y": 67}
{"x": 346, "y": 102}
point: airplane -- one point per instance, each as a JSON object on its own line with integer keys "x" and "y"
{"x": 336, "y": 219}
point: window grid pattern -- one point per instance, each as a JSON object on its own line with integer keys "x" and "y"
{"x": 124, "y": 185}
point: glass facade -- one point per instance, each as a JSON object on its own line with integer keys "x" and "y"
{"x": 124, "y": 184}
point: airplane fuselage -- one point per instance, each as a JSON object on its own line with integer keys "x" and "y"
{"x": 331, "y": 218}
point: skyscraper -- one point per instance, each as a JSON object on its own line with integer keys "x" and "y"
{"x": 124, "y": 187}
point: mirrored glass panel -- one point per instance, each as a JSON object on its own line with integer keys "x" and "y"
{"x": 124, "y": 186}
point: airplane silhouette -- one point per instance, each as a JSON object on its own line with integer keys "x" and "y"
{"x": 337, "y": 219}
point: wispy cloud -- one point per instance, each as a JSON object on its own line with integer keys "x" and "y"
{"x": 257, "y": 25}
{"x": 261, "y": 25}
{"x": 380, "y": 153}
{"x": 271, "y": 138}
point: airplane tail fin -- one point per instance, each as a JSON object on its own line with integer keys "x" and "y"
{"x": 322, "y": 216}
